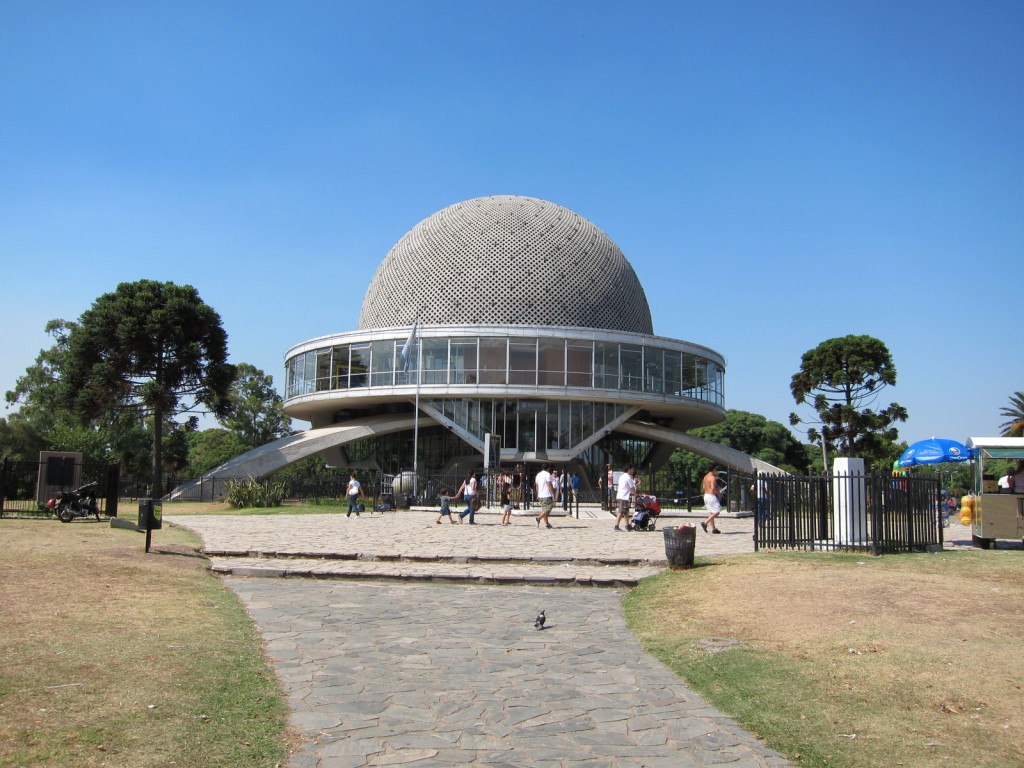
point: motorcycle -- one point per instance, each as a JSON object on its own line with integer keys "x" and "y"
{"x": 81, "y": 502}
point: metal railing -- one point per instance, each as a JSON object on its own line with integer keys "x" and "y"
{"x": 863, "y": 513}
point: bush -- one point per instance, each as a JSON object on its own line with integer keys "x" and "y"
{"x": 255, "y": 493}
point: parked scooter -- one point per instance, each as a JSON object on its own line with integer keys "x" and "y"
{"x": 81, "y": 502}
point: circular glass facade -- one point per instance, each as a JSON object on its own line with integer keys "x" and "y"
{"x": 543, "y": 389}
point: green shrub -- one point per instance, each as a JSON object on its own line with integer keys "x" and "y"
{"x": 255, "y": 493}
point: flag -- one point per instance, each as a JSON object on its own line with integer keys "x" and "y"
{"x": 407, "y": 348}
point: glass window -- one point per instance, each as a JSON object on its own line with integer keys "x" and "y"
{"x": 716, "y": 383}
{"x": 631, "y": 362}
{"x": 337, "y": 358}
{"x": 507, "y": 416}
{"x": 606, "y": 365}
{"x": 551, "y": 367}
{"x": 435, "y": 361}
{"x": 522, "y": 362}
{"x": 673, "y": 373}
{"x": 690, "y": 375}
{"x": 653, "y": 362}
{"x": 463, "y": 361}
{"x": 289, "y": 377}
{"x": 700, "y": 378}
{"x": 493, "y": 361}
{"x": 527, "y": 431}
{"x": 550, "y": 427}
{"x": 579, "y": 364}
{"x": 359, "y": 365}
{"x": 322, "y": 375}
{"x": 382, "y": 358}
{"x": 564, "y": 425}
{"x": 586, "y": 423}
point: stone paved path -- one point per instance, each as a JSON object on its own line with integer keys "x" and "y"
{"x": 409, "y": 671}
{"x": 452, "y": 675}
{"x": 408, "y": 545}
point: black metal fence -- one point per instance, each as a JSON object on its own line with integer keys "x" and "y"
{"x": 871, "y": 513}
{"x": 25, "y": 486}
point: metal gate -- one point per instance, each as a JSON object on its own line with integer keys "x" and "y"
{"x": 857, "y": 512}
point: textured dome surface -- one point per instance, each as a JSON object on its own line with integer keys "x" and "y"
{"x": 506, "y": 261}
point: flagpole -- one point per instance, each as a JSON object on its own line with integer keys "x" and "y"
{"x": 408, "y": 350}
{"x": 416, "y": 419}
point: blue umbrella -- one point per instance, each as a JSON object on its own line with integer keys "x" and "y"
{"x": 934, "y": 451}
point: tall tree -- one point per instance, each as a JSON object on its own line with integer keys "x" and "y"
{"x": 1015, "y": 413}
{"x": 210, "y": 448}
{"x": 748, "y": 432}
{"x": 841, "y": 380}
{"x": 151, "y": 348}
{"x": 255, "y": 409}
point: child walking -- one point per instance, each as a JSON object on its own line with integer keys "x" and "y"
{"x": 446, "y": 510}
{"x": 506, "y": 504}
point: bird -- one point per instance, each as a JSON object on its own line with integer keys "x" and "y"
{"x": 539, "y": 621}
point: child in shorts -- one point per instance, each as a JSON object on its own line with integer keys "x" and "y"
{"x": 446, "y": 511}
{"x": 506, "y": 504}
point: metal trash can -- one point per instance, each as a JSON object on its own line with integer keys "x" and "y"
{"x": 679, "y": 546}
{"x": 150, "y": 515}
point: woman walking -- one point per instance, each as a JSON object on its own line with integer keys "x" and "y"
{"x": 470, "y": 496}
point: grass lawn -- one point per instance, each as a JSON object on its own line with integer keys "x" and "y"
{"x": 851, "y": 661}
{"x": 112, "y": 657}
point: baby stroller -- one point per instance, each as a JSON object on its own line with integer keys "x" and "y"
{"x": 647, "y": 510}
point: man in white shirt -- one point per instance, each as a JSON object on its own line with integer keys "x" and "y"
{"x": 353, "y": 492}
{"x": 625, "y": 494}
{"x": 545, "y": 495}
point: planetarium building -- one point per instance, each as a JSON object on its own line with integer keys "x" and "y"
{"x": 508, "y": 317}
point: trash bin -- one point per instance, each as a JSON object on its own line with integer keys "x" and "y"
{"x": 679, "y": 545}
{"x": 150, "y": 515}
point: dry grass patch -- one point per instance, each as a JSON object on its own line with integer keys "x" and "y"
{"x": 910, "y": 660}
{"x": 112, "y": 657}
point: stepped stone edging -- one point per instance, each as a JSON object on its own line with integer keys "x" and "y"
{"x": 534, "y": 580}
{"x": 458, "y": 559}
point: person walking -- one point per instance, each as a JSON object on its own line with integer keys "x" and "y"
{"x": 609, "y": 487}
{"x": 625, "y": 495}
{"x": 506, "y": 504}
{"x": 354, "y": 492}
{"x": 470, "y": 496}
{"x": 446, "y": 507}
{"x": 712, "y": 500}
{"x": 545, "y": 495}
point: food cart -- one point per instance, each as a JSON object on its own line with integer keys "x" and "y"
{"x": 995, "y": 515}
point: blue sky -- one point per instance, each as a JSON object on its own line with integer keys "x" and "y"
{"x": 777, "y": 173}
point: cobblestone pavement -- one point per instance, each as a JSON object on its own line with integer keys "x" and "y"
{"x": 415, "y": 672}
{"x": 409, "y": 545}
{"x": 456, "y": 675}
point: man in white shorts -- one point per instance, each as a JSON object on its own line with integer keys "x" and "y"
{"x": 625, "y": 495}
{"x": 711, "y": 501}
{"x": 545, "y": 495}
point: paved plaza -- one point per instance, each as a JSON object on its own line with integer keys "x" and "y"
{"x": 411, "y": 643}
{"x": 409, "y": 545}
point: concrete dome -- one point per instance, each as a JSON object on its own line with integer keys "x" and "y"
{"x": 506, "y": 260}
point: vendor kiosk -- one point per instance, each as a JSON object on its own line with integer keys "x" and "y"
{"x": 995, "y": 515}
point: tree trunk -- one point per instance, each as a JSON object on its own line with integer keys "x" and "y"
{"x": 156, "y": 482}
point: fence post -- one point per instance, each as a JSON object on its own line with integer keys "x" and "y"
{"x": 3, "y": 484}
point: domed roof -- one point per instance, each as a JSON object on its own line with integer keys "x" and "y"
{"x": 506, "y": 260}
